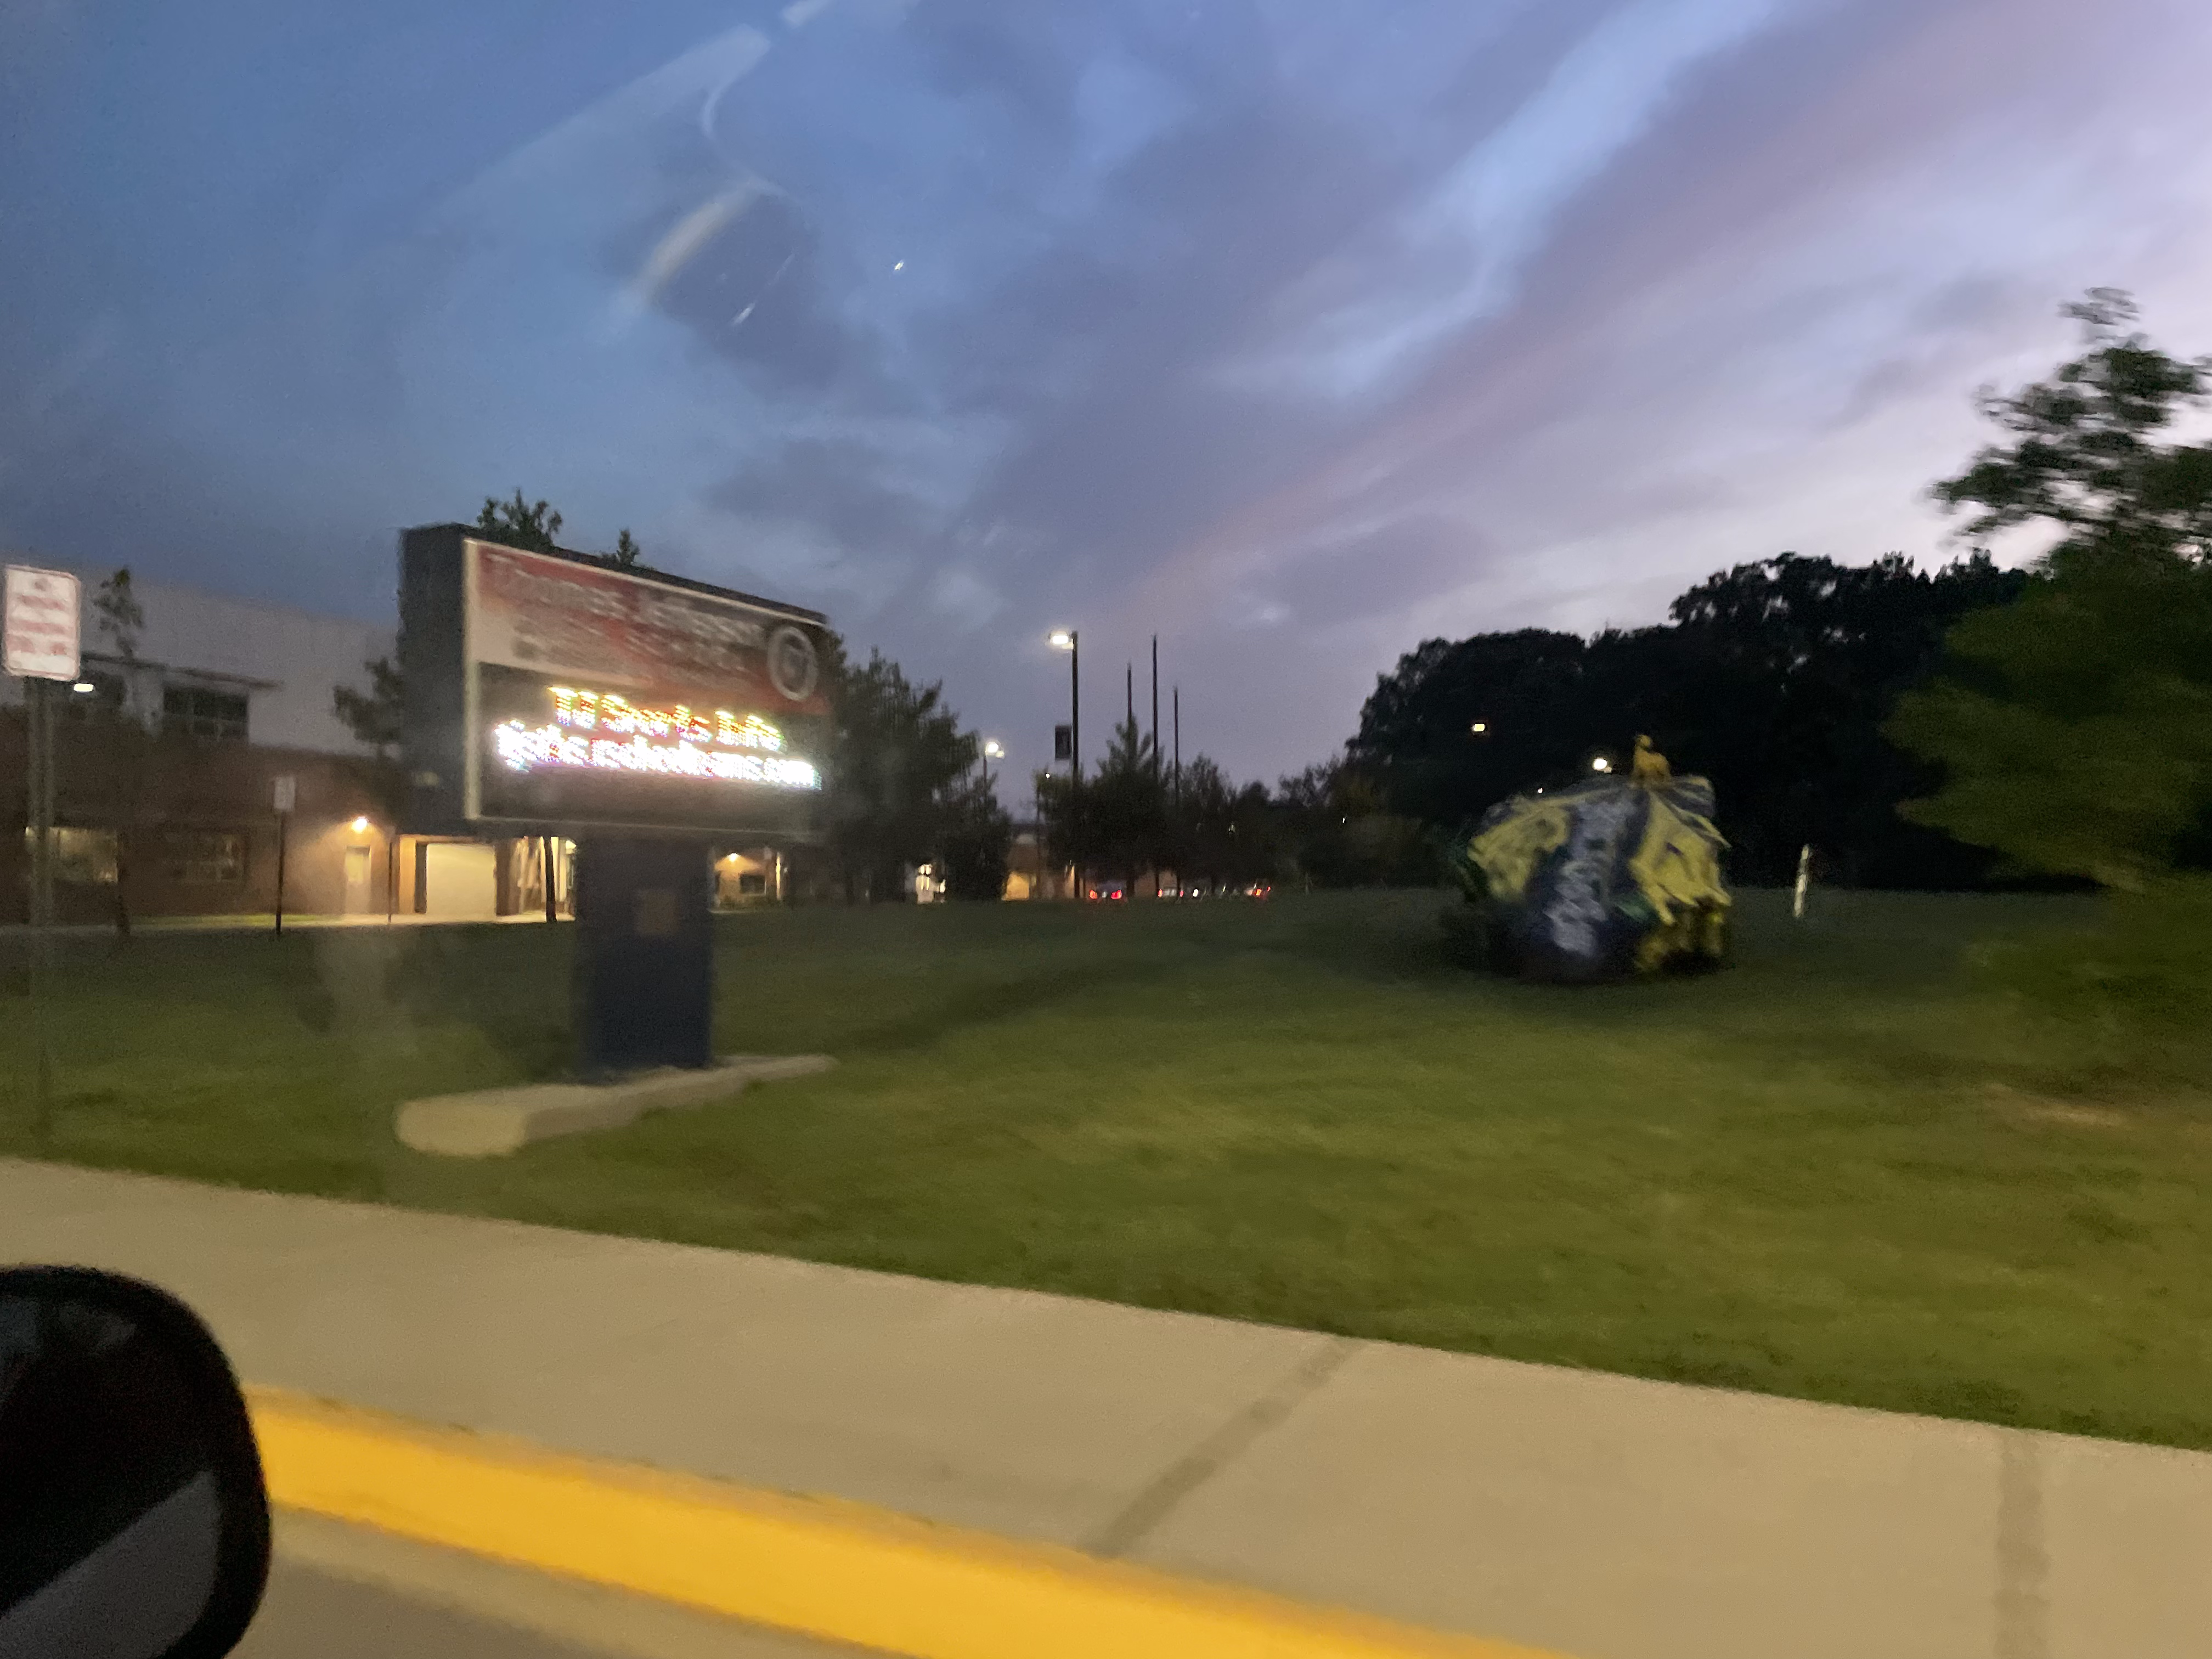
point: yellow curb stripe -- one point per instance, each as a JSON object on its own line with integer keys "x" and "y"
{"x": 824, "y": 1567}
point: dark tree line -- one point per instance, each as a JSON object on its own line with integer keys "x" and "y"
{"x": 904, "y": 787}
{"x": 1773, "y": 679}
{"x": 1131, "y": 815}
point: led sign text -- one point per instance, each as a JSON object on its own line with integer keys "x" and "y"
{"x": 602, "y": 732}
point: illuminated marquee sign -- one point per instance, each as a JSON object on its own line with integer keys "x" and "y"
{"x": 602, "y": 730}
{"x": 548, "y": 691}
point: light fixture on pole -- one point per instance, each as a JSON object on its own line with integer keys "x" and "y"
{"x": 992, "y": 749}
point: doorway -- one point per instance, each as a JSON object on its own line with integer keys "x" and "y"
{"x": 357, "y": 894}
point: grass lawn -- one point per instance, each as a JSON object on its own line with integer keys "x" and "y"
{"x": 1834, "y": 1171}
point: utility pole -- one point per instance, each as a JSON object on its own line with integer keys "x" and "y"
{"x": 1129, "y": 689}
{"x": 39, "y": 707}
{"x": 1155, "y": 707}
{"x": 1178, "y": 743}
{"x": 40, "y": 635}
{"x": 283, "y": 795}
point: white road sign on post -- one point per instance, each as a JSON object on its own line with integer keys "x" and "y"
{"x": 40, "y": 623}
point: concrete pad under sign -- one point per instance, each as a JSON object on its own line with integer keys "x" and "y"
{"x": 492, "y": 1122}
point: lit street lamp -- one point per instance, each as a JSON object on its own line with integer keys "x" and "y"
{"x": 992, "y": 749}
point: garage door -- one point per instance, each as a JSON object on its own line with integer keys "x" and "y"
{"x": 459, "y": 878}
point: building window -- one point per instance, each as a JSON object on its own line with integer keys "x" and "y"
{"x": 82, "y": 858}
{"x": 205, "y": 857}
{"x": 202, "y": 712}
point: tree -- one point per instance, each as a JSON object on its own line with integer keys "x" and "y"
{"x": 1339, "y": 831}
{"x": 1775, "y": 681}
{"x": 376, "y": 716}
{"x": 116, "y": 755}
{"x": 121, "y": 618}
{"x": 1460, "y": 725}
{"x": 2074, "y": 727}
{"x": 2082, "y": 456}
{"x": 1225, "y": 834}
{"x": 521, "y": 524}
{"x": 1773, "y": 678}
{"x": 534, "y": 524}
{"x": 898, "y": 758}
{"x": 1125, "y": 807}
{"x": 1117, "y": 820}
{"x": 975, "y": 842}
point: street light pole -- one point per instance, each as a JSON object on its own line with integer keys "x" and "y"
{"x": 1068, "y": 640}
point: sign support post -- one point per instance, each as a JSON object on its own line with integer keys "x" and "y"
{"x": 39, "y": 708}
{"x": 40, "y": 620}
{"x": 285, "y": 795}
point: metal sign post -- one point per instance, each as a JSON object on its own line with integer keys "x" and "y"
{"x": 286, "y": 794}
{"x": 41, "y": 626}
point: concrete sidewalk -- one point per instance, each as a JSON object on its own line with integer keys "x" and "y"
{"x": 1603, "y": 1516}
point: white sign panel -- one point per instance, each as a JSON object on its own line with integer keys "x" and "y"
{"x": 41, "y": 624}
{"x": 286, "y": 792}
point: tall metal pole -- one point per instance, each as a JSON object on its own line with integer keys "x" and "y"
{"x": 1075, "y": 705}
{"x": 34, "y": 728}
{"x": 1178, "y": 743}
{"x": 1156, "y": 708}
{"x": 282, "y": 818}
{"x": 1129, "y": 689}
{"x": 38, "y": 710}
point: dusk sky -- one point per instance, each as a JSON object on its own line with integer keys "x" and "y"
{"x": 1293, "y": 330}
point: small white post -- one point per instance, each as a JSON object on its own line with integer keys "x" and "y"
{"x": 1804, "y": 880}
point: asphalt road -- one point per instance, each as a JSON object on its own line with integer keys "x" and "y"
{"x": 311, "y": 1614}
{"x": 339, "y": 1592}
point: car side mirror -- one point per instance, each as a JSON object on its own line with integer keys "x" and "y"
{"x": 133, "y": 1520}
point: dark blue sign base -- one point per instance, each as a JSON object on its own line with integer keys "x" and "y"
{"x": 645, "y": 954}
